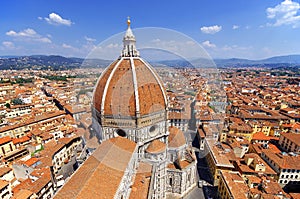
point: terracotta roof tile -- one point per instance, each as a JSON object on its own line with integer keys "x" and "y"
{"x": 4, "y": 170}
{"x": 31, "y": 161}
{"x": 99, "y": 89}
{"x": 21, "y": 140}
{"x": 150, "y": 94}
{"x": 156, "y": 146}
{"x": 295, "y": 195}
{"x": 260, "y": 136}
{"x": 295, "y": 138}
{"x": 284, "y": 161}
{"x": 141, "y": 185}
{"x": 176, "y": 137}
{"x": 23, "y": 194}
{"x": 101, "y": 173}
{"x": 3, "y": 184}
{"x": 238, "y": 187}
{"x": 183, "y": 163}
{"x": 5, "y": 140}
{"x": 35, "y": 186}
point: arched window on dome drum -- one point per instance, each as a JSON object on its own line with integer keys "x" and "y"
{"x": 121, "y": 133}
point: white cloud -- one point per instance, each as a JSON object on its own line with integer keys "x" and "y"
{"x": 28, "y": 35}
{"x": 113, "y": 45}
{"x": 89, "y": 39}
{"x": 211, "y": 29}
{"x": 285, "y": 13}
{"x": 190, "y": 43}
{"x": 25, "y": 33}
{"x": 236, "y": 49}
{"x": 208, "y": 44}
{"x": 66, "y": 46}
{"x": 234, "y": 27}
{"x": 156, "y": 40}
{"x": 8, "y": 44}
{"x": 55, "y": 19}
{"x": 43, "y": 40}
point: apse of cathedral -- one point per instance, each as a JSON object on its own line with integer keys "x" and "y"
{"x": 140, "y": 155}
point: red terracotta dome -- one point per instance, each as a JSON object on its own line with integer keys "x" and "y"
{"x": 129, "y": 86}
{"x": 156, "y": 146}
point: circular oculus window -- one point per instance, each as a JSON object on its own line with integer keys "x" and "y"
{"x": 153, "y": 131}
{"x": 121, "y": 133}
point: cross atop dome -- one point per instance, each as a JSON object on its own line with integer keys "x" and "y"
{"x": 129, "y": 49}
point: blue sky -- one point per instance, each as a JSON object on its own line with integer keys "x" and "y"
{"x": 253, "y": 29}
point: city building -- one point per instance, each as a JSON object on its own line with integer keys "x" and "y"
{"x": 253, "y": 165}
{"x": 40, "y": 187}
{"x": 5, "y": 190}
{"x": 285, "y": 165}
{"x": 232, "y": 185}
{"x": 265, "y": 187}
{"x": 220, "y": 157}
{"x": 290, "y": 142}
{"x": 6, "y": 145}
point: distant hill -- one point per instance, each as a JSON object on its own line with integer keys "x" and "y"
{"x": 273, "y": 62}
{"x": 56, "y": 62}
{"x": 53, "y": 62}
{"x": 288, "y": 60}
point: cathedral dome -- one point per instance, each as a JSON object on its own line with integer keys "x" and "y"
{"x": 129, "y": 87}
{"x": 156, "y": 146}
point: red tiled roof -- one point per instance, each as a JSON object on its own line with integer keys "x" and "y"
{"x": 238, "y": 187}
{"x": 260, "y": 136}
{"x": 3, "y": 184}
{"x": 21, "y": 139}
{"x": 101, "y": 174}
{"x": 293, "y": 137}
{"x": 141, "y": 185}
{"x": 295, "y": 195}
{"x": 4, "y": 170}
{"x": 35, "y": 186}
{"x": 31, "y": 161}
{"x": 283, "y": 161}
{"x": 23, "y": 194}
{"x": 5, "y": 140}
{"x": 36, "y": 119}
{"x": 176, "y": 137}
{"x": 274, "y": 148}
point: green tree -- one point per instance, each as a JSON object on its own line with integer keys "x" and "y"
{"x": 7, "y": 105}
{"x": 17, "y": 101}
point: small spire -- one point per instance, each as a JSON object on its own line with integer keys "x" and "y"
{"x": 128, "y": 21}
